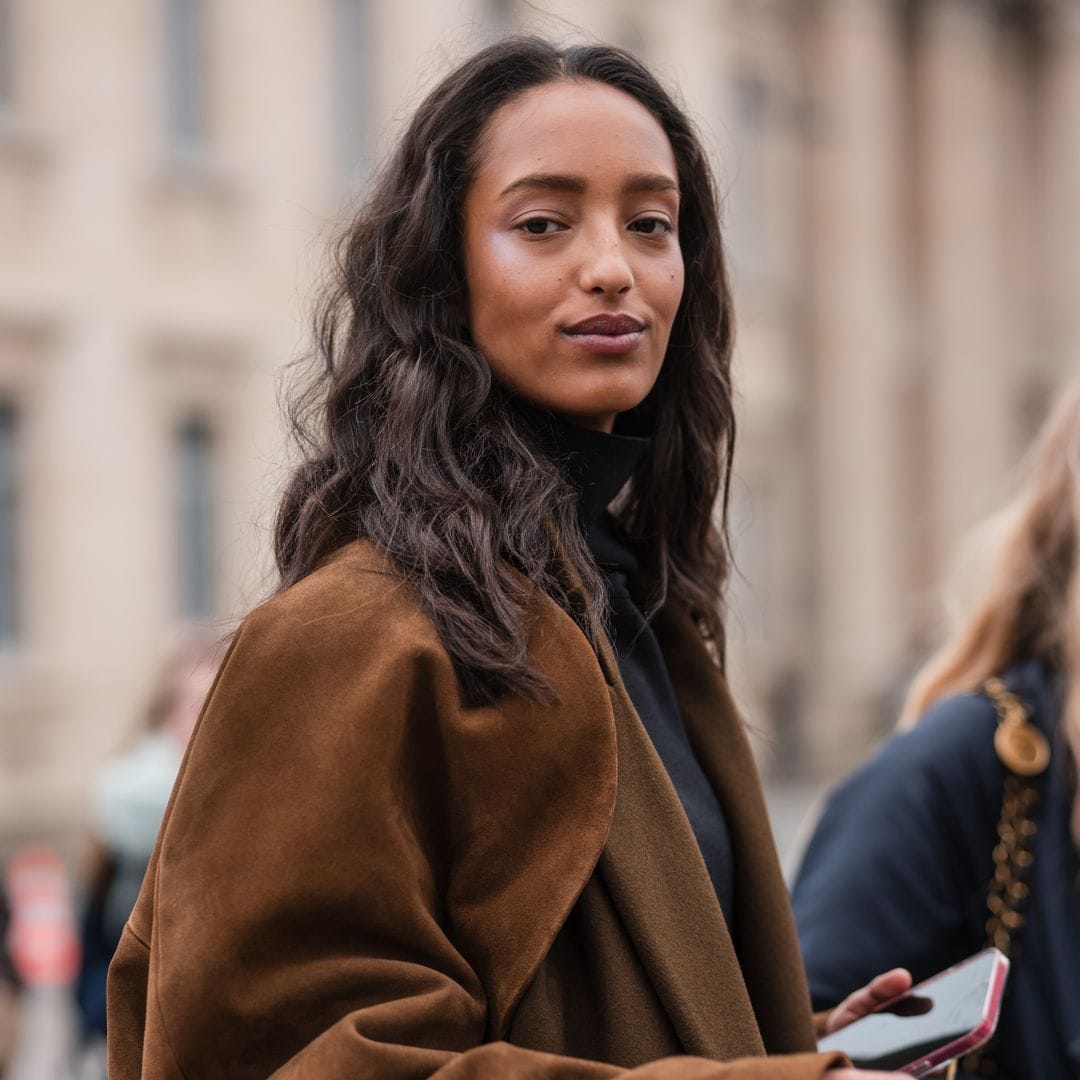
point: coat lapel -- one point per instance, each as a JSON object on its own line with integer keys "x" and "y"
{"x": 658, "y": 882}
{"x": 764, "y": 928}
{"x": 721, "y": 1004}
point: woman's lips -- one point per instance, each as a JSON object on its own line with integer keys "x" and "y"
{"x": 608, "y": 334}
{"x": 607, "y": 343}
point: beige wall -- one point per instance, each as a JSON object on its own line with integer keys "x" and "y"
{"x": 901, "y": 202}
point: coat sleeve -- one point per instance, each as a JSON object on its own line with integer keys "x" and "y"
{"x": 305, "y": 914}
{"x": 897, "y": 868}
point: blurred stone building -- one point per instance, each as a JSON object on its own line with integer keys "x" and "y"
{"x": 905, "y": 224}
{"x": 902, "y": 205}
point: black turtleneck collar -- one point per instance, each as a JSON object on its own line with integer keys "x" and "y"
{"x": 597, "y": 465}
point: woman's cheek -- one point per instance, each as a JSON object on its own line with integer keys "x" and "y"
{"x": 675, "y": 279}
{"x": 526, "y": 279}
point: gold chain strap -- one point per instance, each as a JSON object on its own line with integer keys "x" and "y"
{"x": 1025, "y": 752}
{"x": 1013, "y": 858}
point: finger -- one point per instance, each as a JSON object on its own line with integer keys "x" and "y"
{"x": 888, "y": 985}
{"x": 883, "y": 988}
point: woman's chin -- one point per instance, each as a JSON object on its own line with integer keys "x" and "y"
{"x": 598, "y": 414}
{"x": 601, "y": 402}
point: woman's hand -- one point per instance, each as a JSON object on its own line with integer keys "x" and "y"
{"x": 876, "y": 992}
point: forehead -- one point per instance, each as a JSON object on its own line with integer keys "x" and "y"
{"x": 578, "y": 127}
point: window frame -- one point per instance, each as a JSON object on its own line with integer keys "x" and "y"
{"x": 185, "y": 84}
{"x": 195, "y": 508}
{"x": 353, "y": 89}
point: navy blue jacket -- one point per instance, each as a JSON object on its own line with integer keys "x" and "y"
{"x": 897, "y": 871}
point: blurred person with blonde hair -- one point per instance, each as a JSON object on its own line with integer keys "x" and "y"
{"x": 963, "y": 830}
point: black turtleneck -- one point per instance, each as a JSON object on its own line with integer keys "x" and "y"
{"x": 598, "y": 466}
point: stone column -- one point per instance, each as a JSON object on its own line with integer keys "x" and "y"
{"x": 1060, "y": 232}
{"x": 970, "y": 315}
{"x": 855, "y": 279}
{"x": 762, "y": 170}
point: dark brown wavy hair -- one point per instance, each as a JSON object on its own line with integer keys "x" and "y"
{"x": 409, "y": 441}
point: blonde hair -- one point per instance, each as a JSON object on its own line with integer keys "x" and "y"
{"x": 1030, "y": 604}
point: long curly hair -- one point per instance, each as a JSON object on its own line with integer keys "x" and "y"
{"x": 408, "y": 440}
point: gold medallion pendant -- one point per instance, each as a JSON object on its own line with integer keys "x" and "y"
{"x": 1022, "y": 748}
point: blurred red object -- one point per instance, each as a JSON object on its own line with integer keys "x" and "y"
{"x": 42, "y": 940}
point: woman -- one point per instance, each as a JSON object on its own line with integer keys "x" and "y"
{"x": 432, "y": 822}
{"x": 900, "y": 865}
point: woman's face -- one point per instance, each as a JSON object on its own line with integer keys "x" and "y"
{"x": 571, "y": 247}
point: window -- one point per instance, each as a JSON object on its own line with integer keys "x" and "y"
{"x": 7, "y": 58}
{"x": 195, "y": 488}
{"x": 352, "y": 89}
{"x": 9, "y": 614}
{"x": 748, "y": 194}
{"x": 500, "y": 18}
{"x": 185, "y": 77}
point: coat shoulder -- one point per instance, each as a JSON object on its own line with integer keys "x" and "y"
{"x": 954, "y": 735}
{"x": 355, "y": 862}
{"x": 357, "y": 590}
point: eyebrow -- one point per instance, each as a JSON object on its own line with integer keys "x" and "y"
{"x": 576, "y": 185}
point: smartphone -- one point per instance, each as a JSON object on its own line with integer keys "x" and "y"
{"x": 931, "y": 1024}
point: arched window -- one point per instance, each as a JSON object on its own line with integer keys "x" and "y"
{"x": 196, "y": 525}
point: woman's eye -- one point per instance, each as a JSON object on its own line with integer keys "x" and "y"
{"x": 541, "y": 226}
{"x": 651, "y": 226}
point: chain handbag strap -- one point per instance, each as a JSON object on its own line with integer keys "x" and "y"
{"x": 1025, "y": 753}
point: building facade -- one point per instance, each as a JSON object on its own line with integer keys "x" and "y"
{"x": 902, "y": 204}
{"x": 906, "y": 254}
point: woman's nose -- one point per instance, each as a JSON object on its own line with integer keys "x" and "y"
{"x": 605, "y": 267}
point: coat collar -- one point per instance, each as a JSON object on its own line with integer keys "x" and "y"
{"x": 768, "y": 947}
{"x": 658, "y": 881}
{"x": 635, "y": 835}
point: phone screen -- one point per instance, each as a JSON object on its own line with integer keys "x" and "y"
{"x": 940, "y": 1011}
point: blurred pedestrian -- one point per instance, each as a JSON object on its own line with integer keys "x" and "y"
{"x": 129, "y": 799}
{"x": 44, "y": 952}
{"x": 963, "y": 830}
{"x": 9, "y": 986}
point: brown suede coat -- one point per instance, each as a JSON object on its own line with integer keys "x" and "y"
{"x": 360, "y": 877}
